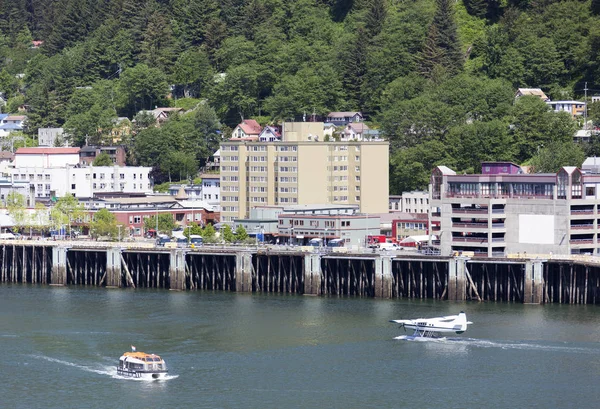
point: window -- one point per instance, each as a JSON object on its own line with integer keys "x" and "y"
{"x": 73, "y": 186}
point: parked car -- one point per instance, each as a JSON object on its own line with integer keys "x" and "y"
{"x": 162, "y": 240}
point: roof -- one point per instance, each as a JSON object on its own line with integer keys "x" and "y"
{"x": 15, "y": 118}
{"x": 140, "y": 355}
{"x": 11, "y": 126}
{"x": 571, "y": 102}
{"x": 47, "y": 151}
{"x": 417, "y": 239}
{"x": 343, "y": 114}
{"x": 358, "y": 127}
{"x": 181, "y": 195}
{"x": 446, "y": 170}
{"x": 210, "y": 176}
{"x": 6, "y": 155}
{"x": 142, "y": 199}
{"x": 250, "y": 127}
{"x": 533, "y": 91}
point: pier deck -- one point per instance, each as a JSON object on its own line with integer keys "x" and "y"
{"x": 294, "y": 270}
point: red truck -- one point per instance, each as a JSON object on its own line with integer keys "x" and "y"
{"x": 374, "y": 240}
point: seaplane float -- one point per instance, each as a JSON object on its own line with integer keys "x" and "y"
{"x": 434, "y": 327}
{"x": 141, "y": 365}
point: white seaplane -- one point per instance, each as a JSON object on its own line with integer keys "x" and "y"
{"x": 433, "y": 327}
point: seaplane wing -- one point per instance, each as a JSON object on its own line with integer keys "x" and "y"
{"x": 432, "y": 327}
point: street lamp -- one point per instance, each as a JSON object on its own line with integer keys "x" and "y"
{"x": 325, "y": 238}
{"x": 292, "y": 235}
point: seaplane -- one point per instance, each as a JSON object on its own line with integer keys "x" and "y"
{"x": 434, "y": 327}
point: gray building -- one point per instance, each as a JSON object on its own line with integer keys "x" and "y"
{"x": 48, "y": 136}
{"x": 301, "y": 223}
{"x": 497, "y": 214}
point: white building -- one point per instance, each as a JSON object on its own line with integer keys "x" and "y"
{"x": 46, "y": 157}
{"x": 84, "y": 182}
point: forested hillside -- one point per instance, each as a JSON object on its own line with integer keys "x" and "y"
{"x": 437, "y": 77}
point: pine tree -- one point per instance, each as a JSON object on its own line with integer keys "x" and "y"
{"x": 442, "y": 48}
{"x": 376, "y": 15}
{"x": 356, "y": 68}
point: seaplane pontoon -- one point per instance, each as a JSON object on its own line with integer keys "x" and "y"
{"x": 142, "y": 366}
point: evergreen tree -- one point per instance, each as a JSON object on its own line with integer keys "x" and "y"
{"x": 375, "y": 18}
{"x": 442, "y": 48}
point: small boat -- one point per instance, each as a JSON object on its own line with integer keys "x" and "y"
{"x": 141, "y": 365}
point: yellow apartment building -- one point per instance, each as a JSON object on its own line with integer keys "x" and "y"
{"x": 303, "y": 169}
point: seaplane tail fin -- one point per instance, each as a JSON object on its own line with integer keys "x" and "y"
{"x": 462, "y": 321}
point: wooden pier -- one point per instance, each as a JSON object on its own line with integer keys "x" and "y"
{"x": 290, "y": 271}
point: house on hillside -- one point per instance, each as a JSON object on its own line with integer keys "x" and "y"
{"x": 537, "y": 92}
{"x": 344, "y": 118}
{"x": 162, "y": 114}
{"x": 269, "y": 134}
{"x": 355, "y": 131}
{"x": 575, "y": 108}
{"x": 247, "y": 130}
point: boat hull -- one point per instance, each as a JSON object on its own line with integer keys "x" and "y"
{"x": 150, "y": 376}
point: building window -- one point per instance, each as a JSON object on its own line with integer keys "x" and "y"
{"x": 73, "y": 186}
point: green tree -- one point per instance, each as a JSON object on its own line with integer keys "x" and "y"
{"x": 65, "y": 211}
{"x": 442, "y": 48}
{"x": 16, "y": 205}
{"x": 552, "y": 157}
{"x": 227, "y": 234}
{"x": 104, "y": 224}
{"x": 166, "y": 224}
{"x": 40, "y": 218}
{"x": 182, "y": 164}
{"x": 142, "y": 87}
{"x": 103, "y": 159}
{"x": 192, "y": 229}
{"x": 209, "y": 233}
{"x": 240, "y": 233}
{"x": 534, "y": 126}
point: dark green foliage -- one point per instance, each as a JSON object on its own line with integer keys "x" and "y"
{"x": 437, "y": 77}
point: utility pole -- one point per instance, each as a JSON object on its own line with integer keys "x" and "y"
{"x": 585, "y": 108}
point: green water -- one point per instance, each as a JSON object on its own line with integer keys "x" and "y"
{"x": 225, "y": 350}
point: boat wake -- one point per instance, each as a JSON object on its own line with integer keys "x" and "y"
{"x": 101, "y": 370}
{"x": 483, "y": 343}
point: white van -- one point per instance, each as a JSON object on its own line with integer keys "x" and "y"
{"x": 388, "y": 246}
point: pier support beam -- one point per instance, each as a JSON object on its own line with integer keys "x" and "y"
{"x": 59, "y": 266}
{"x": 312, "y": 274}
{"x": 457, "y": 283}
{"x": 383, "y": 277}
{"x": 113, "y": 267}
{"x": 243, "y": 272}
{"x": 177, "y": 270}
{"x": 533, "y": 282}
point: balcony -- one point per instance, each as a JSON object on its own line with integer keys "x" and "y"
{"x": 576, "y": 242}
{"x": 588, "y": 226}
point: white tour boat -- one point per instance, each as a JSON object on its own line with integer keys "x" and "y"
{"x": 141, "y": 365}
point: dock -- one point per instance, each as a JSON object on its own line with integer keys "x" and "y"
{"x": 281, "y": 270}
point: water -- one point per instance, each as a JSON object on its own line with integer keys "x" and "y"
{"x": 224, "y": 350}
